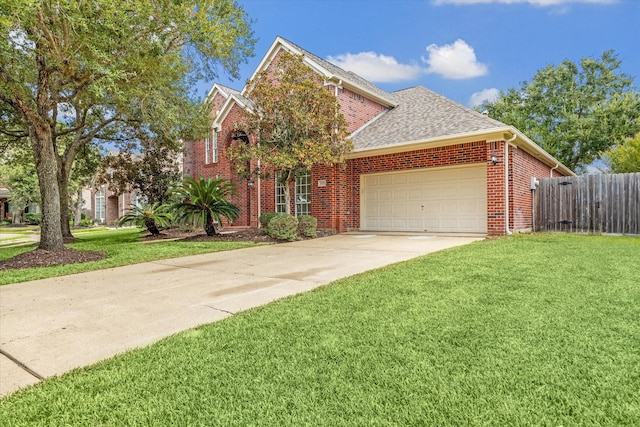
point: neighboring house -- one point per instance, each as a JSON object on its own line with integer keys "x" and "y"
{"x": 421, "y": 162}
{"x": 105, "y": 206}
{"x": 12, "y": 212}
{"x": 4, "y": 203}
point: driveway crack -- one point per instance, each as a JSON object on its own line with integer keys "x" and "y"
{"x": 21, "y": 365}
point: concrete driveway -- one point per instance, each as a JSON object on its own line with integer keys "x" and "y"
{"x": 50, "y": 326}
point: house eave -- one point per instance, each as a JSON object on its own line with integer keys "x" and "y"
{"x": 488, "y": 135}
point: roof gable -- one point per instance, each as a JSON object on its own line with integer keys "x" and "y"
{"x": 327, "y": 70}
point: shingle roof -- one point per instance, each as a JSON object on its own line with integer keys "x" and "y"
{"x": 238, "y": 94}
{"x": 420, "y": 115}
{"x": 345, "y": 76}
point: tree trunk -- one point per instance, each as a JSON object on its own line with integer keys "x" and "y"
{"x": 63, "y": 189}
{"x": 47, "y": 171}
{"x": 209, "y": 227}
{"x": 289, "y": 176}
{"x": 78, "y": 211}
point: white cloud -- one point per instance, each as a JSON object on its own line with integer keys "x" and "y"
{"x": 478, "y": 98}
{"x": 376, "y": 67}
{"x": 454, "y": 61}
{"x": 542, "y": 3}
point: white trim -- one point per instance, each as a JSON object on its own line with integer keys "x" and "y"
{"x": 495, "y": 134}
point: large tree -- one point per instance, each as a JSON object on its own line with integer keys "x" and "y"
{"x": 295, "y": 123}
{"x": 573, "y": 111}
{"x": 106, "y": 71}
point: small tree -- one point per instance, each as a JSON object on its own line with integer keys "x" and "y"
{"x": 624, "y": 157}
{"x": 205, "y": 201}
{"x": 296, "y": 122}
{"x": 151, "y": 216}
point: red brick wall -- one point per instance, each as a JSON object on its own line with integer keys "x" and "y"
{"x": 495, "y": 189}
{"x": 357, "y": 109}
{"x": 523, "y": 166}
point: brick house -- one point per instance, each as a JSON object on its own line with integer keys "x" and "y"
{"x": 420, "y": 162}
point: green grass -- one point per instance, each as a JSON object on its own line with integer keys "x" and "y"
{"x": 526, "y": 330}
{"x": 122, "y": 247}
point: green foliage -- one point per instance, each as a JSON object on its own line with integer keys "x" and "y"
{"x": 101, "y": 72}
{"x": 150, "y": 215}
{"x": 624, "y": 157}
{"x": 296, "y": 123}
{"x": 18, "y": 173}
{"x": 205, "y": 201}
{"x": 307, "y": 225}
{"x": 573, "y": 111}
{"x": 283, "y": 227}
{"x": 85, "y": 222}
{"x": 265, "y": 218}
{"x": 31, "y": 218}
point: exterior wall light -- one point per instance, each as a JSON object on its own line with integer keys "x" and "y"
{"x": 494, "y": 159}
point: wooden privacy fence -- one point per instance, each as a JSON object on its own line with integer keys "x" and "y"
{"x": 589, "y": 204}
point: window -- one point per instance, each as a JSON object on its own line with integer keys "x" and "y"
{"x": 303, "y": 194}
{"x": 211, "y": 147}
{"x": 281, "y": 204}
{"x": 100, "y": 205}
{"x": 206, "y": 150}
{"x": 214, "y": 148}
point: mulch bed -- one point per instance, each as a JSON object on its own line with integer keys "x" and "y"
{"x": 43, "y": 258}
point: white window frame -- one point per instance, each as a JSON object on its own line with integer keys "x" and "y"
{"x": 281, "y": 204}
{"x": 206, "y": 150}
{"x": 214, "y": 146}
{"x": 101, "y": 205}
{"x": 303, "y": 194}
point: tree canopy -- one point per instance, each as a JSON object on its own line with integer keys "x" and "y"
{"x": 107, "y": 72}
{"x": 573, "y": 111}
{"x": 625, "y": 156}
{"x": 295, "y": 122}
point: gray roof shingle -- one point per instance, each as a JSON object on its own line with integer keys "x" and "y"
{"x": 345, "y": 76}
{"x": 420, "y": 115}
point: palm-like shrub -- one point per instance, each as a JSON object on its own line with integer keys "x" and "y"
{"x": 205, "y": 202}
{"x": 150, "y": 216}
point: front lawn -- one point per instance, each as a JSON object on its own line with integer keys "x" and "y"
{"x": 525, "y": 330}
{"x": 122, "y": 246}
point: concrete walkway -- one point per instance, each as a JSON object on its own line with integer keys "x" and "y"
{"x": 50, "y": 326}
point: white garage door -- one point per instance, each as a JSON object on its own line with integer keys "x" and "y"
{"x": 440, "y": 200}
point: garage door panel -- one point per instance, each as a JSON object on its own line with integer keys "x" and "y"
{"x": 447, "y": 200}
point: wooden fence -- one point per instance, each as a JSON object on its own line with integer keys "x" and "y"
{"x": 589, "y": 204}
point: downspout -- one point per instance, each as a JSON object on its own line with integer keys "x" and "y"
{"x": 506, "y": 183}
{"x": 259, "y": 193}
{"x": 552, "y": 169}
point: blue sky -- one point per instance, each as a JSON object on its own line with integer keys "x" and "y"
{"x": 466, "y": 50}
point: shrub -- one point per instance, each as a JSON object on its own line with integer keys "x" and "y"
{"x": 86, "y": 222}
{"x": 32, "y": 218}
{"x": 283, "y": 227}
{"x": 307, "y": 225}
{"x": 265, "y": 218}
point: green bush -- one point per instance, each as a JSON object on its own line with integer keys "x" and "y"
{"x": 307, "y": 225}
{"x": 265, "y": 218}
{"x": 32, "y": 218}
{"x": 86, "y": 222}
{"x": 5, "y": 222}
{"x": 283, "y": 227}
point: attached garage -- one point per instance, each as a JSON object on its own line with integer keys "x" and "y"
{"x": 451, "y": 199}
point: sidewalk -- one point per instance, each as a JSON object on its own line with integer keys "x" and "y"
{"x": 53, "y": 325}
